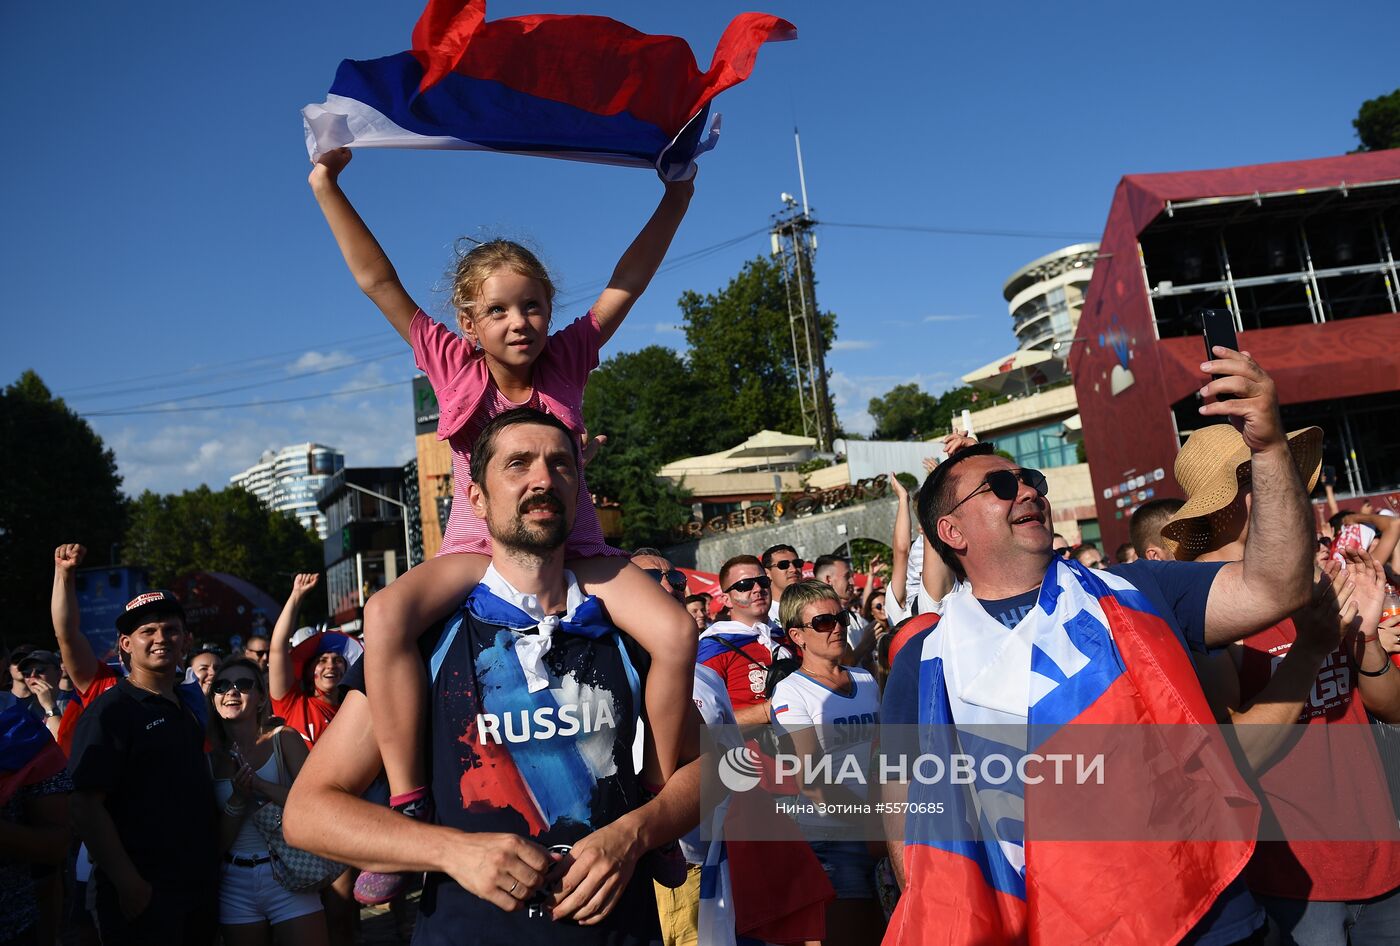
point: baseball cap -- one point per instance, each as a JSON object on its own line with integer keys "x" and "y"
{"x": 40, "y": 657}
{"x": 152, "y": 602}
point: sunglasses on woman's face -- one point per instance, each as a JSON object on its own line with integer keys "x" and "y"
{"x": 745, "y": 585}
{"x": 1005, "y": 484}
{"x": 826, "y": 623}
{"x": 244, "y": 685}
{"x": 675, "y": 577}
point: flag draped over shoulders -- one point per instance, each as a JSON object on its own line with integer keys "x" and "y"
{"x": 584, "y": 88}
{"x": 28, "y": 753}
{"x": 1137, "y": 856}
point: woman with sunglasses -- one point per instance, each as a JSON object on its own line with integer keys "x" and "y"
{"x": 825, "y": 708}
{"x": 877, "y": 623}
{"x": 253, "y": 766}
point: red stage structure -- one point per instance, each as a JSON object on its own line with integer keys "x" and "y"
{"x": 1303, "y": 254}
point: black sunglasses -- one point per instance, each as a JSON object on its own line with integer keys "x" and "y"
{"x": 244, "y": 685}
{"x": 745, "y": 585}
{"x": 675, "y": 577}
{"x": 787, "y": 563}
{"x": 1005, "y": 484}
{"x": 826, "y": 623}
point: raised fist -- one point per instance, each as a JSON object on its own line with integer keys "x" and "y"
{"x": 68, "y": 557}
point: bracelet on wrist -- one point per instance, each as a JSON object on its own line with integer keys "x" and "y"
{"x": 1374, "y": 673}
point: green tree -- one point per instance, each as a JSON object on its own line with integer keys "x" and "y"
{"x": 951, "y": 404}
{"x": 741, "y": 355}
{"x": 1377, "y": 123}
{"x": 61, "y": 485}
{"x": 647, "y": 403}
{"x": 646, "y": 398}
{"x": 905, "y": 412}
{"x": 225, "y": 531}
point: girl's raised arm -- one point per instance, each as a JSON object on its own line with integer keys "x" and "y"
{"x": 373, "y": 272}
{"x": 639, "y": 263}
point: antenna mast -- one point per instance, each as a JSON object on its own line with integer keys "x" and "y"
{"x": 795, "y": 244}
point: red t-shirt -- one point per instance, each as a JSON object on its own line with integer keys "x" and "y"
{"x": 308, "y": 715}
{"x": 744, "y": 676}
{"x": 104, "y": 680}
{"x": 1329, "y": 785}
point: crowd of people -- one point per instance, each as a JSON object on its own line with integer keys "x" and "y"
{"x": 519, "y": 732}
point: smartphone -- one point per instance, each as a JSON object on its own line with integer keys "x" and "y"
{"x": 1218, "y": 327}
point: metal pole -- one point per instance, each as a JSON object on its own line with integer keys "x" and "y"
{"x": 801, "y": 176}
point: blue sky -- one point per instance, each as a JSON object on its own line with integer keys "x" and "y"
{"x": 158, "y": 240}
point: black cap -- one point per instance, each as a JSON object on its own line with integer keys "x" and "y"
{"x": 40, "y": 657}
{"x": 152, "y": 602}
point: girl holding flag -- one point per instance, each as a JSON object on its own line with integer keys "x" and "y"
{"x": 504, "y": 358}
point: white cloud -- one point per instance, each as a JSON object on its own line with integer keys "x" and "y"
{"x": 664, "y": 329}
{"x": 853, "y": 344}
{"x": 319, "y": 361}
{"x": 949, "y": 318}
{"x": 176, "y": 452}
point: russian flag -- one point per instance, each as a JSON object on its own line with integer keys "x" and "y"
{"x": 582, "y": 88}
{"x": 1137, "y": 859}
{"x": 28, "y": 753}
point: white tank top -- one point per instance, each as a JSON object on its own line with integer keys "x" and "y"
{"x": 249, "y": 841}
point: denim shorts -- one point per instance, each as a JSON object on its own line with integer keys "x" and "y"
{"x": 253, "y": 895}
{"x": 849, "y": 866}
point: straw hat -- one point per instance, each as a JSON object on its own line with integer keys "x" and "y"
{"x": 1212, "y": 467}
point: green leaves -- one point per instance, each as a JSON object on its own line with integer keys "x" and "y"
{"x": 656, "y": 406}
{"x": 741, "y": 353}
{"x": 1377, "y": 123}
{"x": 225, "y": 531}
{"x": 908, "y": 412}
{"x": 60, "y": 485}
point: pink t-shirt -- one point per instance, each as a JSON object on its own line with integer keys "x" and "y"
{"x": 462, "y": 384}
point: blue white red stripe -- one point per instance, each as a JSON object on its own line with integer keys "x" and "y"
{"x": 583, "y": 88}
{"x": 1093, "y": 651}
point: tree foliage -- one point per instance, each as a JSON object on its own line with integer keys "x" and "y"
{"x": 61, "y": 485}
{"x": 905, "y": 412}
{"x": 908, "y": 412}
{"x": 225, "y": 531}
{"x": 651, "y": 409}
{"x": 647, "y": 397}
{"x": 1377, "y": 123}
{"x": 737, "y": 377}
{"x": 741, "y": 353}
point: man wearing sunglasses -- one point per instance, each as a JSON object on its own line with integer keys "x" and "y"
{"x": 990, "y": 521}
{"x": 783, "y": 566}
{"x": 657, "y": 566}
{"x": 743, "y": 648}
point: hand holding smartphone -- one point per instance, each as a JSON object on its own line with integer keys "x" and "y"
{"x": 1218, "y": 328}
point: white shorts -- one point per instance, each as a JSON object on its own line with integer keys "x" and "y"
{"x": 253, "y": 895}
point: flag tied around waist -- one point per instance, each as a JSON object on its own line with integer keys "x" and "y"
{"x": 582, "y": 88}
{"x": 1139, "y": 858}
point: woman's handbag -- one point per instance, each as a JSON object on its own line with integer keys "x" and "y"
{"x": 296, "y": 870}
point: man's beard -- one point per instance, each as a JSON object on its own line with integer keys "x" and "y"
{"x": 534, "y": 538}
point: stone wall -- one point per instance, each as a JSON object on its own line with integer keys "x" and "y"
{"x": 811, "y": 535}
